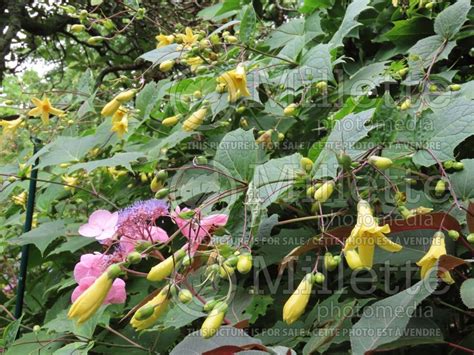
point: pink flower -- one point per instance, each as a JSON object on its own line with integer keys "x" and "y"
{"x": 152, "y": 234}
{"x": 102, "y": 225}
{"x": 196, "y": 228}
{"x": 89, "y": 269}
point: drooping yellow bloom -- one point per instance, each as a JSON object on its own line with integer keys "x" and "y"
{"x": 428, "y": 261}
{"x": 149, "y": 313}
{"x": 194, "y": 62}
{"x": 164, "y": 40}
{"x": 120, "y": 127}
{"x": 353, "y": 259}
{"x": 119, "y": 114}
{"x": 165, "y": 268}
{"x": 70, "y": 182}
{"x": 366, "y": 234}
{"x": 195, "y": 120}
{"x": 236, "y": 83}
{"x": 44, "y": 109}
{"x": 296, "y": 304}
{"x": 90, "y": 301}
{"x": 20, "y": 199}
{"x": 213, "y": 321}
{"x": 10, "y": 127}
{"x": 189, "y": 38}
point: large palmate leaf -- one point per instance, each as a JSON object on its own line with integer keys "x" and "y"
{"x": 451, "y": 123}
{"x": 343, "y": 137}
{"x": 349, "y": 22}
{"x": 389, "y": 324}
{"x": 450, "y": 20}
{"x": 238, "y": 154}
{"x": 275, "y": 177}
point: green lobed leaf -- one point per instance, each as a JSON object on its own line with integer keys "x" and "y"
{"x": 349, "y": 22}
{"x": 449, "y": 21}
{"x": 344, "y": 136}
{"x": 389, "y": 317}
{"x": 248, "y": 25}
{"x": 451, "y": 123}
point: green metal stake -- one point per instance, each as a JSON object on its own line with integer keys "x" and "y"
{"x": 30, "y": 206}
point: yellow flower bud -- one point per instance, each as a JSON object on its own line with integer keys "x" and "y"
{"x": 306, "y": 164}
{"x": 155, "y": 184}
{"x": 110, "y": 108}
{"x": 167, "y": 65}
{"x": 126, "y": 96}
{"x": 290, "y": 110}
{"x": 195, "y": 120}
{"x": 185, "y": 296}
{"x": 213, "y": 321}
{"x": 165, "y": 268}
{"x": 322, "y": 86}
{"x": 244, "y": 263}
{"x": 77, "y": 28}
{"x": 381, "y": 163}
{"x": 144, "y": 317}
{"x": 231, "y": 39}
{"x": 93, "y": 41}
{"x": 297, "y": 302}
{"x": 440, "y": 188}
{"x": 454, "y": 87}
{"x": 90, "y": 301}
{"x": 405, "y": 105}
{"x": 171, "y": 121}
{"x": 324, "y": 192}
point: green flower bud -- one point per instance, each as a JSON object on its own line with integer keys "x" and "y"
{"x": 134, "y": 257}
{"x": 318, "y": 278}
{"x": 454, "y": 87}
{"x": 453, "y": 234}
{"x": 162, "y": 193}
{"x": 185, "y": 296}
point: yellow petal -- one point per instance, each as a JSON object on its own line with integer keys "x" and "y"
{"x": 35, "y": 112}
{"x": 386, "y": 244}
{"x": 37, "y": 101}
{"x": 45, "y": 117}
{"x": 366, "y": 253}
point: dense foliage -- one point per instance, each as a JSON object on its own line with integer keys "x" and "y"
{"x": 282, "y": 177}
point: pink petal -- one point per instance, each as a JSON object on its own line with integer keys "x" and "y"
{"x": 158, "y": 235}
{"x": 117, "y": 293}
{"x": 100, "y": 217}
{"x": 89, "y": 230}
{"x": 106, "y": 234}
{"x": 111, "y": 223}
{"x": 90, "y": 265}
{"x": 127, "y": 244}
{"x": 215, "y": 220}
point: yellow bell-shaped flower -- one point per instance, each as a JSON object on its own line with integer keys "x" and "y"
{"x": 297, "y": 302}
{"x": 428, "y": 261}
{"x": 367, "y": 234}
{"x": 149, "y": 313}
{"x": 10, "y": 127}
{"x": 236, "y": 83}
{"x": 90, "y": 301}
